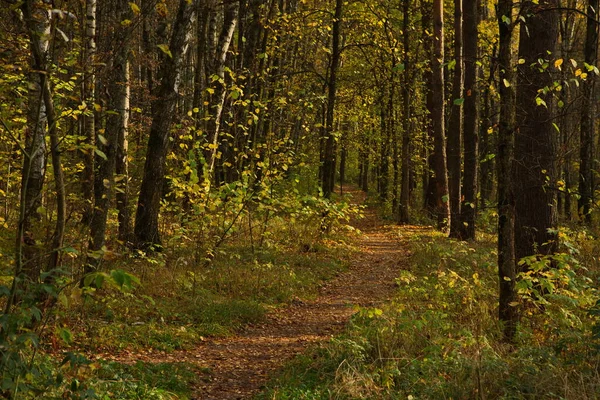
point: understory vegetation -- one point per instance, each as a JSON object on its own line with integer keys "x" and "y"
{"x": 439, "y": 338}
{"x": 146, "y": 307}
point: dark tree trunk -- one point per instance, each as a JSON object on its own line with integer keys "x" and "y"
{"x": 163, "y": 110}
{"x": 588, "y": 105}
{"x": 471, "y": 121}
{"x": 328, "y": 155}
{"x": 535, "y": 139}
{"x": 488, "y": 121}
{"x": 384, "y": 153}
{"x": 456, "y": 125}
{"x": 442, "y": 209}
{"x": 404, "y": 215}
{"x": 507, "y": 311}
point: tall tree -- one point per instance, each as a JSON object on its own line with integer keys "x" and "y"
{"x": 404, "y": 216}
{"x": 89, "y": 121}
{"x": 37, "y": 20}
{"x": 217, "y": 69}
{"x": 456, "y": 125}
{"x": 471, "y": 122}
{"x": 115, "y": 115}
{"x": 588, "y": 106}
{"x": 163, "y": 111}
{"x": 507, "y": 312}
{"x": 442, "y": 209}
{"x": 328, "y": 179}
{"x": 535, "y": 139}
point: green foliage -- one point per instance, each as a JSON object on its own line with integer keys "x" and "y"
{"x": 440, "y": 338}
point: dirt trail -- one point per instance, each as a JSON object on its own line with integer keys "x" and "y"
{"x": 239, "y": 366}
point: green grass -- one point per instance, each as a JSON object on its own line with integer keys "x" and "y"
{"x": 440, "y": 339}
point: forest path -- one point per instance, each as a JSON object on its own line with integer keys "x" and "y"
{"x": 238, "y": 367}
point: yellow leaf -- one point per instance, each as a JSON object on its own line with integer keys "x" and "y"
{"x": 558, "y": 63}
{"x": 165, "y": 49}
{"x": 134, "y": 7}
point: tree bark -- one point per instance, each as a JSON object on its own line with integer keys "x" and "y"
{"x": 535, "y": 139}
{"x": 404, "y": 215}
{"x": 116, "y": 104}
{"x": 588, "y": 106}
{"x": 218, "y": 68}
{"x": 89, "y": 119}
{"x": 507, "y": 311}
{"x": 471, "y": 123}
{"x": 37, "y": 20}
{"x": 456, "y": 125}
{"x": 163, "y": 109}
{"x": 442, "y": 209}
{"x": 122, "y": 164}
{"x": 329, "y": 156}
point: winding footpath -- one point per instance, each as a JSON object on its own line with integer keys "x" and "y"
{"x": 238, "y": 367}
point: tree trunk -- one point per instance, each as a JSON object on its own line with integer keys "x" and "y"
{"x": 34, "y": 159}
{"x": 163, "y": 109}
{"x": 507, "y": 311}
{"x": 442, "y": 209}
{"x": 229, "y": 23}
{"x": 328, "y": 155}
{"x": 116, "y": 104}
{"x": 471, "y": 122}
{"x": 587, "y": 131}
{"x": 404, "y": 216}
{"x": 89, "y": 120}
{"x": 122, "y": 164}
{"x": 535, "y": 139}
{"x": 456, "y": 125}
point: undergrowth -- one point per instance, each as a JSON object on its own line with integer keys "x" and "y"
{"x": 199, "y": 285}
{"x": 440, "y": 339}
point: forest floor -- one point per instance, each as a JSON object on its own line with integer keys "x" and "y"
{"x": 238, "y": 367}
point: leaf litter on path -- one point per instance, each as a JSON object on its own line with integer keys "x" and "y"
{"x": 238, "y": 367}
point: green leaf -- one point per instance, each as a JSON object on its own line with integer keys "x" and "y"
{"x": 540, "y": 102}
{"x": 100, "y": 154}
{"x": 65, "y": 335}
{"x": 459, "y": 102}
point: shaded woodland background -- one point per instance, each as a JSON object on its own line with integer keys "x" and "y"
{"x": 153, "y": 138}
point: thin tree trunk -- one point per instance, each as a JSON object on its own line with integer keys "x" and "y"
{"x": 456, "y": 125}
{"x": 404, "y": 215}
{"x": 587, "y": 131}
{"x": 116, "y": 104}
{"x": 442, "y": 209}
{"x": 471, "y": 121}
{"x": 34, "y": 159}
{"x": 89, "y": 120}
{"x": 328, "y": 156}
{"x": 122, "y": 165}
{"x": 225, "y": 38}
